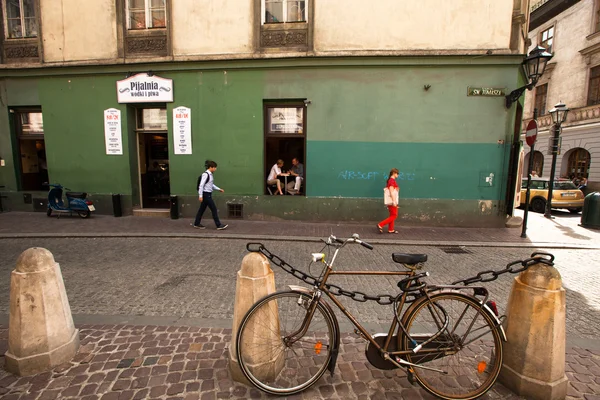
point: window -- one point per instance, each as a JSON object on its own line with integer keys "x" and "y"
{"x": 547, "y": 38}
{"x": 277, "y": 11}
{"x": 20, "y": 19}
{"x": 594, "y": 89}
{"x": 597, "y": 17}
{"x": 578, "y": 165}
{"x": 540, "y": 98}
{"x": 146, "y": 14}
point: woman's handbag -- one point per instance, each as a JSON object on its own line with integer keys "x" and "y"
{"x": 387, "y": 197}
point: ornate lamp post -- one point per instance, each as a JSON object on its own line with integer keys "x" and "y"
{"x": 533, "y": 66}
{"x": 559, "y": 115}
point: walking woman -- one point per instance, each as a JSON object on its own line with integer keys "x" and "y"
{"x": 391, "y": 202}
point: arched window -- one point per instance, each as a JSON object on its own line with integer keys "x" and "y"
{"x": 538, "y": 163}
{"x": 578, "y": 165}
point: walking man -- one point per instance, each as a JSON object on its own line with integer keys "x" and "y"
{"x": 205, "y": 190}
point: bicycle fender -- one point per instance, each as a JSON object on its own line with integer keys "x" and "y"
{"x": 484, "y": 307}
{"x": 336, "y": 327}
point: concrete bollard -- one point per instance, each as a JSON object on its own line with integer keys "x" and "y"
{"x": 534, "y": 356}
{"x": 255, "y": 281}
{"x": 41, "y": 333}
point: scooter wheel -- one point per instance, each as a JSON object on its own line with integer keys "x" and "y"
{"x": 49, "y": 212}
{"x": 84, "y": 214}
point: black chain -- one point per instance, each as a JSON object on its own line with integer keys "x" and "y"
{"x": 386, "y": 299}
{"x": 491, "y": 275}
{"x": 383, "y": 299}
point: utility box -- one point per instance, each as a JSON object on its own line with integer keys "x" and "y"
{"x": 590, "y": 217}
{"x": 173, "y": 209}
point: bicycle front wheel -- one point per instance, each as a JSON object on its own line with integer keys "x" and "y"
{"x": 270, "y": 357}
{"x": 467, "y": 353}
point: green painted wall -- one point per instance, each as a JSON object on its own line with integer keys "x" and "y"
{"x": 362, "y": 121}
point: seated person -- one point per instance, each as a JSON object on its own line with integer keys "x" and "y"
{"x": 582, "y": 183}
{"x": 275, "y": 172}
{"x": 297, "y": 172}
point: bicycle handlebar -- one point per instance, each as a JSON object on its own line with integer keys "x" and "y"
{"x": 353, "y": 239}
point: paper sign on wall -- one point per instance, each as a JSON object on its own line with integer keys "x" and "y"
{"x": 112, "y": 132}
{"x": 182, "y": 130}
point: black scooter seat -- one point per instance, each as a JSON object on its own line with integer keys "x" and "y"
{"x": 403, "y": 258}
{"x": 77, "y": 195}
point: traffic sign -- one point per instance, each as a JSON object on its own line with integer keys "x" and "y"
{"x": 531, "y": 132}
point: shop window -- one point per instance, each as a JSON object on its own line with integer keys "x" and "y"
{"x": 20, "y": 20}
{"x": 594, "y": 87}
{"x": 547, "y": 39}
{"x": 278, "y": 11}
{"x": 578, "y": 164}
{"x": 285, "y": 139}
{"x": 541, "y": 93}
{"x": 146, "y": 14}
{"x": 33, "y": 167}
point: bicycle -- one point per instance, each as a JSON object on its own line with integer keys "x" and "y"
{"x": 449, "y": 341}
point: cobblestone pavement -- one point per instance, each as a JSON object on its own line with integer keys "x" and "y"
{"x": 159, "y": 362}
{"x": 195, "y": 278}
{"x": 563, "y": 229}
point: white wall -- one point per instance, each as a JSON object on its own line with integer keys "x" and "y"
{"x": 212, "y": 27}
{"x": 412, "y": 25}
{"x": 74, "y": 32}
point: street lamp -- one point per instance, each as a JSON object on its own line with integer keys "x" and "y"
{"x": 559, "y": 115}
{"x": 533, "y": 66}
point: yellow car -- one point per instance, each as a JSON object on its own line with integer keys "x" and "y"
{"x": 564, "y": 195}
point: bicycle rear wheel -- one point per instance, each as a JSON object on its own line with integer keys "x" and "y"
{"x": 468, "y": 350}
{"x": 269, "y": 359}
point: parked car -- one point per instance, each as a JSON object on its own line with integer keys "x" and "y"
{"x": 564, "y": 195}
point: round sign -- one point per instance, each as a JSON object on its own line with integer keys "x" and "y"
{"x": 531, "y": 132}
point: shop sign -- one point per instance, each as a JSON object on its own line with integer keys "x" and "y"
{"x": 141, "y": 88}
{"x": 182, "y": 130}
{"x": 112, "y": 132}
{"x": 482, "y": 91}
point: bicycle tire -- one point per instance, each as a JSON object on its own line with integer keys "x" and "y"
{"x": 474, "y": 367}
{"x": 271, "y": 364}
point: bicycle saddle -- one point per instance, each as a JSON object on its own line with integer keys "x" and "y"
{"x": 403, "y": 258}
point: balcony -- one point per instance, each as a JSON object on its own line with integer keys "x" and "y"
{"x": 576, "y": 116}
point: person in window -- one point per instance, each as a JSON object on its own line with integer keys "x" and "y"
{"x": 534, "y": 174}
{"x": 392, "y": 186}
{"x": 582, "y": 183}
{"x": 276, "y": 172}
{"x": 297, "y": 171}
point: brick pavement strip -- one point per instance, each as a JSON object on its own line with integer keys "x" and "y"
{"x": 111, "y": 365}
{"x": 195, "y": 367}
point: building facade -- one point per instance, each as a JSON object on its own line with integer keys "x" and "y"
{"x": 571, "y": 31}
{"x": 131, "y": 97}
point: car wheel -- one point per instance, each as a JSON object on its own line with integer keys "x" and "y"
{"x": 575, "y": 210}
{"x": 538, "y": 205}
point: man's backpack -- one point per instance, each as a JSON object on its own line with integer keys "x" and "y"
{"x": 200, "y": 180}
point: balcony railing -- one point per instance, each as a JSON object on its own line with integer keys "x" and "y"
{"x": 575, "y": 117}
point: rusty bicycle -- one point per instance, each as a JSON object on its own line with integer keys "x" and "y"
{"x": 448, "y": 339}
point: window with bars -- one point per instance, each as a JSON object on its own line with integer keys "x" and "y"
{"x": 20, "y": 20}
{"x": 541, "y": 93}
{"x": 547, "y": 39}
{"x": 146, "y": 14}
{"x": 278, "y": 11}
{"x": 594, "y": 87}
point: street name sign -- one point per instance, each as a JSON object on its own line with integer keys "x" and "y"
{"x": 531, "y": 132}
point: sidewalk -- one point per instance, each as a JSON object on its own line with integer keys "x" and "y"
{"x": 563, "y": 231}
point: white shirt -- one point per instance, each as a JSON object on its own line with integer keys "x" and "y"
{"x": 207, "y": 183}
{"x": 275, "y": 170}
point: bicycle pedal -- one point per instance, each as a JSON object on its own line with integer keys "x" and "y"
{"x": 410, "y": 375}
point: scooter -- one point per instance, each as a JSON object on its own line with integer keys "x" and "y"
{"x": 76, "y": 202}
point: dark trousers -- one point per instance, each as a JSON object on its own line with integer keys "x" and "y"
{"x": 207, "y": 201}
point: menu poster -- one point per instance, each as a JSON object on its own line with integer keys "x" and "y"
{"x": 182, "y": 130}
{"x": 112, "y": 132}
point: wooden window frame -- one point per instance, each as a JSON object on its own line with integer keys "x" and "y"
{"x": 263, "y": 11}
{"x": 539, "y": 103}
{"x": 22, "y": 18}
{"x": 541, "y": 40}
{"x": 574, "y": 162}
{"x": 593, "y": 96}
{"x": 147, "y": 14}
{"x": 142, "y": 43}
{"x": 278, "y": 37}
